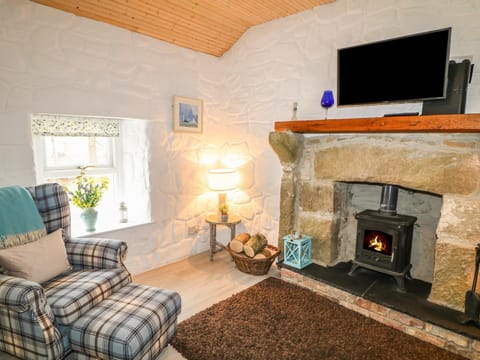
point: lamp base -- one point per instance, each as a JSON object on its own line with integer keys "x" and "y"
{"x": 222, "y": 199}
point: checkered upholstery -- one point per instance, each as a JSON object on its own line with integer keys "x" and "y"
{"x": 73, "y": 295}
{"x": 30, "y": 312}
{"x": 52, "y": 204}
{"x": 109, "y": 318}
{"x": 94, "y": 253}
{"x": 136, "y": 322}
{"x": 27, "y": 328}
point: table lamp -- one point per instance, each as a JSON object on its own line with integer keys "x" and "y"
{"x": 222, "y": 180}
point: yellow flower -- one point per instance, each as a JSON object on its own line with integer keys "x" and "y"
{"x": 223, "y": 208}
{"x": 87, "y": 192}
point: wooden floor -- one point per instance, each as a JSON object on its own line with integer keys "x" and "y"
{"x": 200, "y": 283}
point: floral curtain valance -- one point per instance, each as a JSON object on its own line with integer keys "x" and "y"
{"x": 73, "y": 125}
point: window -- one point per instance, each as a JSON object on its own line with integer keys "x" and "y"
{"x": 68, "y": 151}
{"x": 64, "y": 156}
{"x": 65, "y": 144}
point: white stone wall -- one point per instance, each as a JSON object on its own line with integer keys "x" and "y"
{"x": 294, "y": 58}
{"x": 51, "y": 61}
{"x": 55, "y": 62}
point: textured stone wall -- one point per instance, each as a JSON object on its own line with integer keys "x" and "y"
{"x": 445, "y": 165}
{"x": 55, "y": 62}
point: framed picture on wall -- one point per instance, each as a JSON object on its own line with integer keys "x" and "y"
{"x": 187, "y": 115}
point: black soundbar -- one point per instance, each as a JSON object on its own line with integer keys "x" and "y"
{"x": 402, "y": 114}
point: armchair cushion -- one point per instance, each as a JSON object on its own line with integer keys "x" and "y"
{"x": 96, "y": 253}
{"x": 72, "y": 295}
{"x": 37, "y": 261}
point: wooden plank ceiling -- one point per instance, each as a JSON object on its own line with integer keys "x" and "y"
{"x": 208, "y": 26}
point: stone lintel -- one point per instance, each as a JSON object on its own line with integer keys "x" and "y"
{"x": 440, "y": 172}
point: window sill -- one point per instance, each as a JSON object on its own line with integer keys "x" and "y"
{"x": 78, "y": 232}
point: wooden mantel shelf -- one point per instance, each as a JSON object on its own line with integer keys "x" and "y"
{"x": 455, "y": 123}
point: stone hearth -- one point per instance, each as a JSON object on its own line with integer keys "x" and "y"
{"x": 444, "y": 165}
{"x": 376, "y": 297}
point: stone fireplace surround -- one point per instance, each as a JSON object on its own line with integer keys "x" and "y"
{"x": 445, "y": 165}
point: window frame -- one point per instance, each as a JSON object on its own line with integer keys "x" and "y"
{"x": 115, "y": 170}
{"x": 44, "y": 173}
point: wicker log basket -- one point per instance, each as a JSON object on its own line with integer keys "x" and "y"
{"x": 254, "y": 266}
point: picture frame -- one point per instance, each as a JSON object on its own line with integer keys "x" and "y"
{"x": 187, "y": 115}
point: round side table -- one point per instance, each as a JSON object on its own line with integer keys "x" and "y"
{"x": 214, "y": 220}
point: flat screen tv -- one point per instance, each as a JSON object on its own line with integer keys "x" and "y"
{"x": 408, "y": 68}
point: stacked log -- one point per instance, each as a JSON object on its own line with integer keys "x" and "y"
{"x": 265, "y": 253}
{"x": 250, "y": 246}
{"x": 254, "y": 245}
{"x": 237, "y": 243}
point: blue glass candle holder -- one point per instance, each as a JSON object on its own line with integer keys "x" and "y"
{"x": 327, "y": 101}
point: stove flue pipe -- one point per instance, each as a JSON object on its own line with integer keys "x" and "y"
{"x": 388, "y": 201}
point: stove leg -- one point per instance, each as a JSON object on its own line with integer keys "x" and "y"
{"x": 408, "y": 276}
{"x": 352, "y": 270}
{"x": 400, "y": 279}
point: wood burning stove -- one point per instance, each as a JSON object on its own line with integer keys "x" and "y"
{"x": 384, "y": 239}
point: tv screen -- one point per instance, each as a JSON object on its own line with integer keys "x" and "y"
{"x": 408, "y": 68}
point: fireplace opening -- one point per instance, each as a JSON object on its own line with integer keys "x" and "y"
{"x": 351, "y": 198}
{"x": 384, "y": 239}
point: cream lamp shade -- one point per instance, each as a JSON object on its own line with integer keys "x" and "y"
{"x": 222, "y": 179}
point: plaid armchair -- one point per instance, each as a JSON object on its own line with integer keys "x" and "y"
{"x": 35, "y": 318}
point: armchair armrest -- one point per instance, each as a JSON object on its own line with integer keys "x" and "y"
{"x": 96, "y": 253}
{"x": 20, "y": 295}
{"x": 30, "y": 317}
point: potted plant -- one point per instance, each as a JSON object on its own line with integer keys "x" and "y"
{"x": 86, "y": 195}
{"x": 223, "y": 208}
